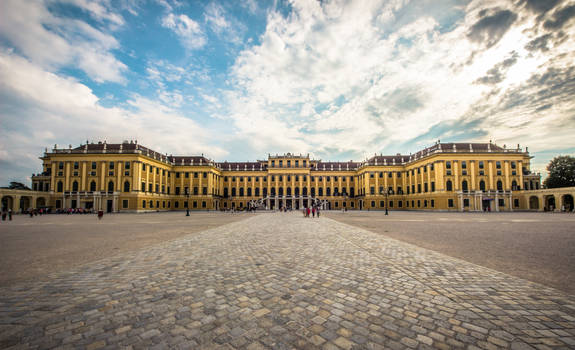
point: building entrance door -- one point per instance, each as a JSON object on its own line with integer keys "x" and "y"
{"x": 110, "y": 206}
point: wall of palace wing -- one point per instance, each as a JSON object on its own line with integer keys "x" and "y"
{"x": 131, "y": 178}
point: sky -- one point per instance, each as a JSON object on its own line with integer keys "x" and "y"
{"x": 236, "y": 80}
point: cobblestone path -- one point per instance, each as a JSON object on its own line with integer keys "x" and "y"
{"x": 280, "y": 281}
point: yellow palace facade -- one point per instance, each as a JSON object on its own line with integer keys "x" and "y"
{"x": 133, "y": 178}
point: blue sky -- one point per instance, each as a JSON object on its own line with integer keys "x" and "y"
{"x": 236, "y": 80}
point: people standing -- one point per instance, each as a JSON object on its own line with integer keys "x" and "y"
{"x": 4, "y": 213}
{"x": 318, "y": 212}
{"x": 307, "y": 212}
{"x": 10, "y": 214}
{"x": 313, "y": 212}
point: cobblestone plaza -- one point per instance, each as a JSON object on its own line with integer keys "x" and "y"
{"x": 280, "y": 281}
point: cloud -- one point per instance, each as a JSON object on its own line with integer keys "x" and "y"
{"x": 497, "y": 73}
{"x": 490, "y": 28}
{"x": 41, "y": 108}
{"x": 188, "y": 31}
{"x": 541, "y": 6}
{"x": 560, "y": 18}
{"x": 56, "y": 42}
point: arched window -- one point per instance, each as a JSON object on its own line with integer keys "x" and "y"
{"x": 499, "y": 185}
{"x": 297, "y": 191}
{"x": 273, "y": 191}
{"x": 249, "y": 191}
{"x": 289, "y": 191}
{"x": 313, "y": 191}
{"x": 60, "y": 186}
{"x": 514, "y": 186}
{"x": 257, "y": 191}
{"x": 482, "y": 185}
{"x": 449, "y": 185}
{"x": 281, "y": 191}
{"x": 305, "y": 191}
{"x": 265, "y": 192}
{"x": 127, "y": 186}
{"x": 241, "y": 191}
{"x": 328, "y": 191}
{"x": 75, "y": 186}
{"x": 233, "y": 191}
{"x": 93, "y": 186}
{"x": 464, "y": 186}
{"x": 111, "y": 186}
{"x": 225, "y": 192}
{"x": 320, "y": 191}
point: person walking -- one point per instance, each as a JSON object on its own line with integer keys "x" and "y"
{"x": 307, "y": 212}
{"x": 10, "y": 214}
{"x": 313, "y": 212}
{"x": 318, "y": 212}
{"x": 4, "y": 213}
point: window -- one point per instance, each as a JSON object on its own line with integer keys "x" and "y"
{"x": 466, "y": 202}
{"x": 464, "y": 186}
{"x": 463, "y": 164}
{"x": 498, "y": 165}
{"x": 499, "y": 185}
{"x": 481, "y": 165}
{"x": 95, "y": 166}
{"x": 432, "y": 203}
{"x": 482, "y": 185}
{"x": 289, "y": 163}
{"x": 241, "y": 191}
{"x": 448, "y": 164}
{"x": 111, "y": 165}
{"x": 516, "y": 202}
{"x": 389, "y": 174}
{"x": 127, "y": 186}
{"x": 372, "y": 190}
{"x": 381, "y": 174}
{"x": 157, "y": 188}
{"x": 111, "y": 186}
{"x": 60, "y": 165}
{"x": 187, "y": 175}
{"x": 144, "y": 204}
{"x": 449, "y": 185}
{"x": 125, "y": 204}
{"x": 177, "y": 191}
{"x": 93, "y": 186}
{"x": 328, "y": 191}
{"x": 143, "y": 187}
{"x": 127, "y": 165}
{"x": 373, "y": 204}
{"x": 513, "y": 165}
{"x": 501, "y": 202}
{"x": 196, "y": 191}
{"x": 433, "y": 187}
{"x": 514, "y": 186}
{"x": 203, "y": 204}
{"x": 176, "y": 204}
{"x": 432, "y": 167}
{"x": 143, "y": 169}
{"x": 418, "y": 188}
{"x": 205, "y": 175}
{"x": 76, "y": 166}
{"x": 450, "y": 203}
{"x": 425, "y": 187}
{"x": 204, "y": 190}
{"x": 150, "y": 188}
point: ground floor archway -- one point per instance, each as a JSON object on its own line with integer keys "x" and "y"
{"x": 25, "y": 203}
{"x": 40, "y": 202}
{"x": 534, "y": 203}
{"x": 7, "y": 203}
{"x": 550, "y": 203}
{"x": 567, "y": 202}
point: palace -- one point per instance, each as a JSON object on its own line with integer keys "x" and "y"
{"x": 134, "y": 178}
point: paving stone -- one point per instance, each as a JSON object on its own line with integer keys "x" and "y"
{"x": 280, "y": 281}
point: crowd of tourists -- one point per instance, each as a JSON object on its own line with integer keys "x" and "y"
{"x": 313, "y": 211}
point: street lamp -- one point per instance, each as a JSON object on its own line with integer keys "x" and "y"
{"x": 386, "y": 193}
{"x": 188, "y": 202}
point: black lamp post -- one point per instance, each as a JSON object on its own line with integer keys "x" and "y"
{"x": 386, "y": 193}
{"x": 188, "y": 202}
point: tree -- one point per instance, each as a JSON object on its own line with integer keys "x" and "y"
{"x": 561, "y": 172}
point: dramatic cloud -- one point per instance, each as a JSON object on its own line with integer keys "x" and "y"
{"x": 337, "y": 79}
{"x": 188, "y": 30}
{"x": 55, "y": 42}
